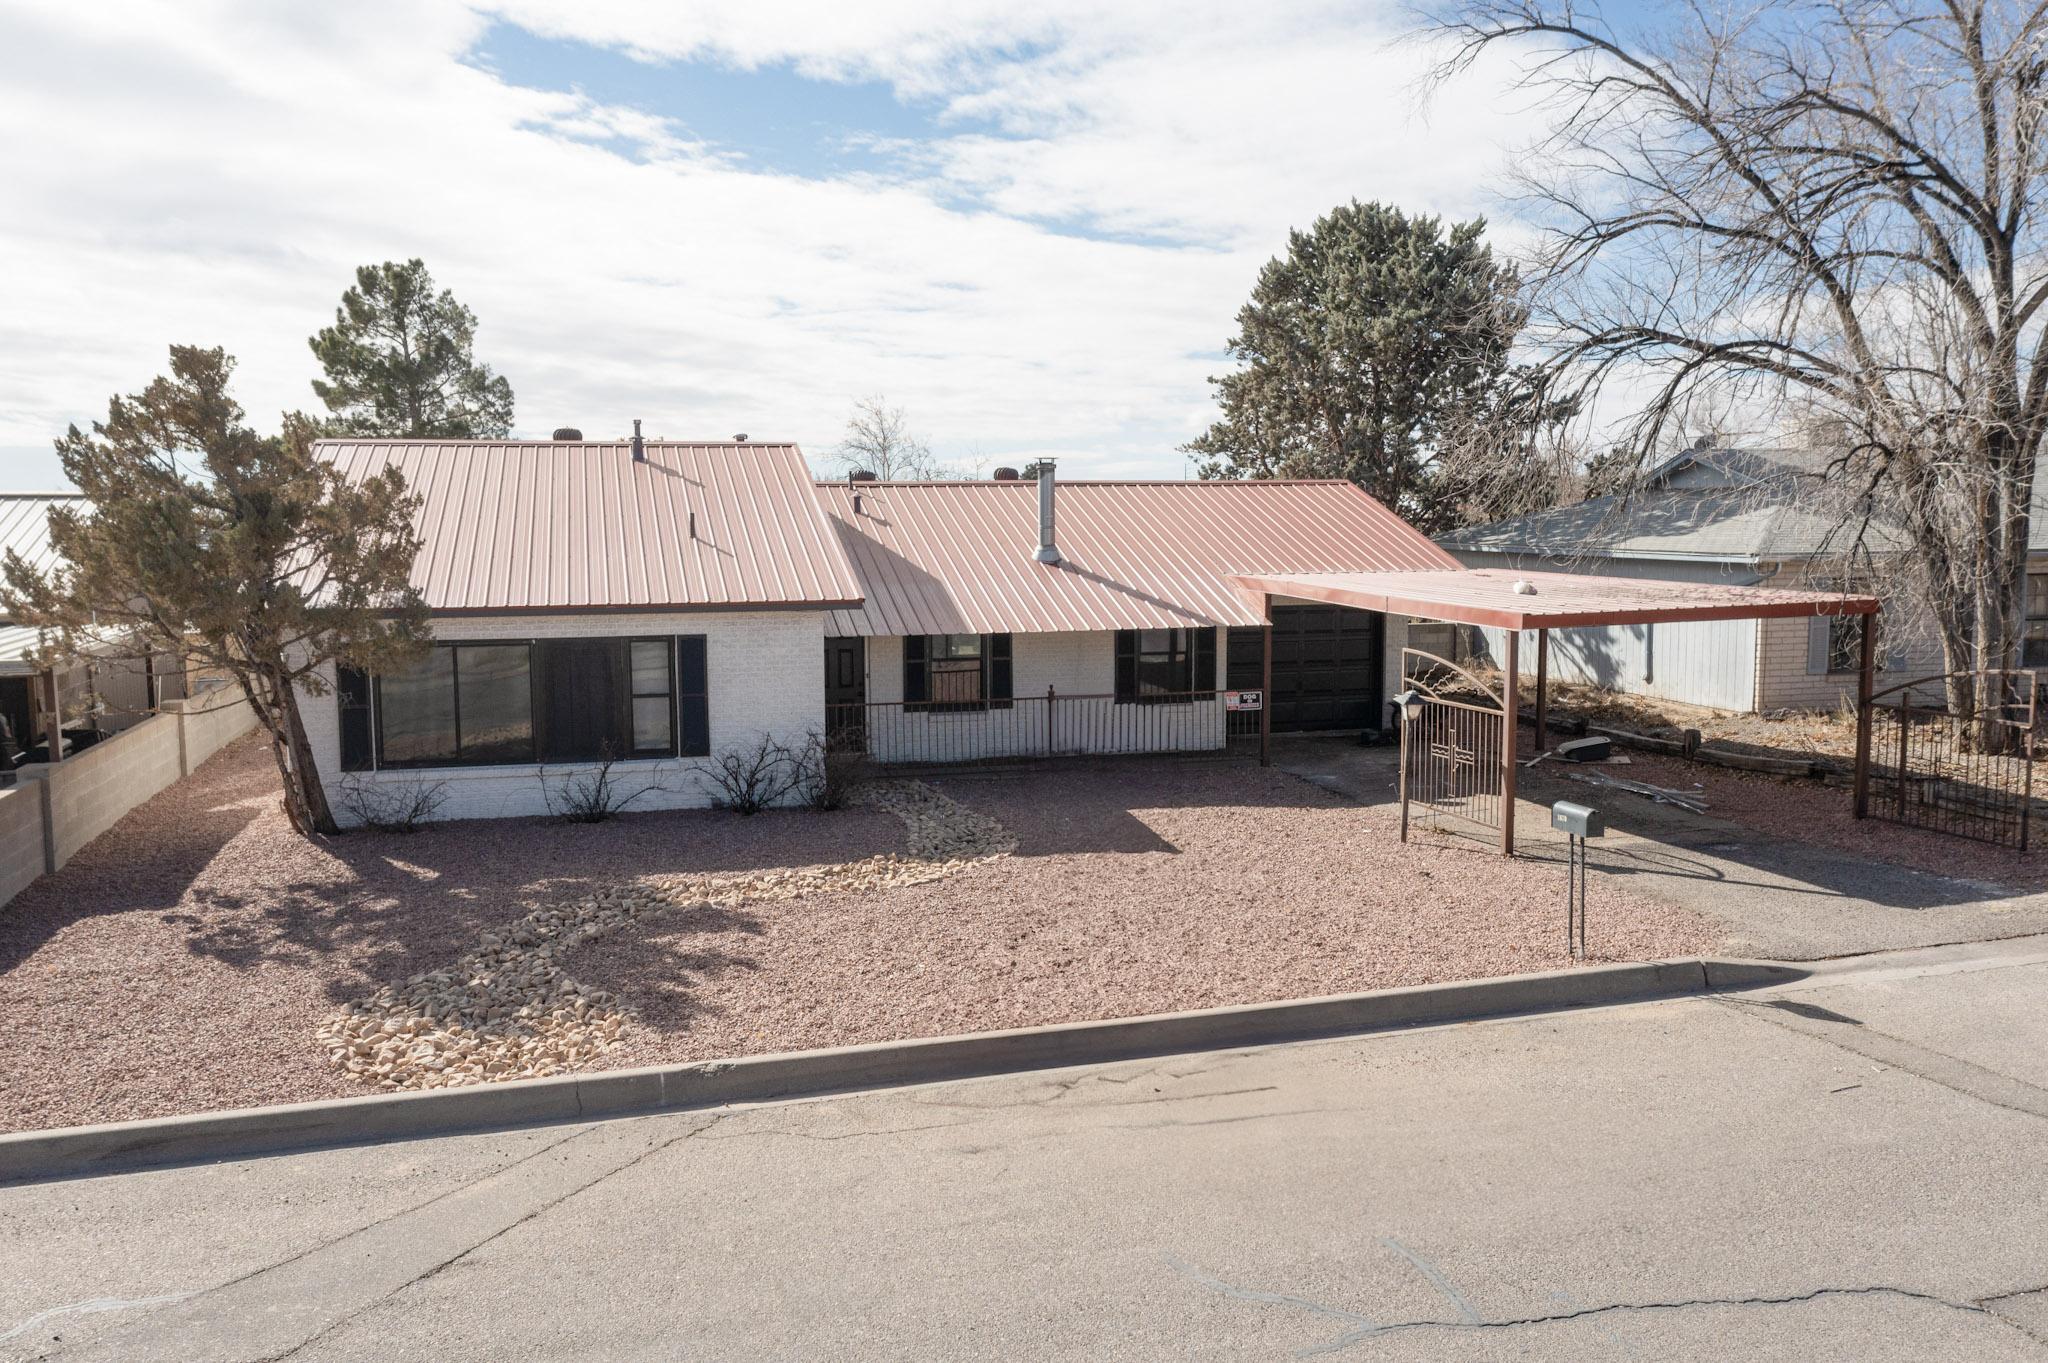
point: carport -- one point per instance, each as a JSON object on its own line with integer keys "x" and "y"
{"x": 1517, "y": 602}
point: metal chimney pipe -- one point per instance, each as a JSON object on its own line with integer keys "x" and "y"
{"x": 1048, "y": 552}
{"x": 639, "y": 445}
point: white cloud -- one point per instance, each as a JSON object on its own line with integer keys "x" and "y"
{"x": 212, "y": 172}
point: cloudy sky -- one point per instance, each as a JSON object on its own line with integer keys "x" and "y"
{"x": 1030, "y": 225}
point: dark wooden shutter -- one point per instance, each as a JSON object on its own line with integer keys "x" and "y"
{"x": 693, "y": 696}
{"x": 995, "y": 651}
{"x": 1204, "y": 664}
{"x": 353, "y": 697}
{"x": 1126, "y": 665}
{"x": 915, "y": 647}
{"x": 584, "y": 709}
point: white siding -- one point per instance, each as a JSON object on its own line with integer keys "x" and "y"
{"x": 1079, "y": 667}
{"x": 1711, "y": 663}
{"x": 765, "y": 675}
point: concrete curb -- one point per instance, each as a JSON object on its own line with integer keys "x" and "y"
{"x": 75, "y": 1152}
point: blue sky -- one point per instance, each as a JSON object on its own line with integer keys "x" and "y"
{"x": 1027, "y": 226}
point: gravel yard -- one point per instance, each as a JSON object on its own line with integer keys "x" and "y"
{"x": 185, "y": 960}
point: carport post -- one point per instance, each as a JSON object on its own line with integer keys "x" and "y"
{"x": 1266, "y": 685}
{"x": 1510, "y": 716}
{"x": 53, "y": 717}
{"x": 1866, "y": 673}
{"x": 1542, "y": 686}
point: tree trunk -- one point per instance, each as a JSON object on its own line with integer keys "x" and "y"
{"x": 276, "y": 704}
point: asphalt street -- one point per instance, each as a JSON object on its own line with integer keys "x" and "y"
{"x": 1852, "y": 1167}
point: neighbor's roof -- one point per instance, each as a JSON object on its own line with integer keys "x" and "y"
{"x": 539, "y": 525}
{"x": 1487, "y": 596}
{"x": 25, "y": 524}
{"x": 956, "y": 557}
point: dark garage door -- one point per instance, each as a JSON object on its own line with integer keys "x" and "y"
{"x": 1326, "y": 667}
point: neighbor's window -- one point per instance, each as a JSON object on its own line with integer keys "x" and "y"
{"x": 1164, "y": 666}
{"x": 2034, "y": 649}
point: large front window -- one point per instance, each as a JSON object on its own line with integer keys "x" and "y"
{"x": 956, "y": 664}
{"x": 540, "y": 700}
{"x": 953, "y": 672}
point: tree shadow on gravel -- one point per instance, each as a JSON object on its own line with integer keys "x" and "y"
{"x": 661, "y": 964}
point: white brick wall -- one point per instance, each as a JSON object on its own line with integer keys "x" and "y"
{"x": 1077, "y": 665}
{"x": 765, "y": 675}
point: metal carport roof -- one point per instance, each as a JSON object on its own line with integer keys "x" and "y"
{"x": 1489, "y": 596}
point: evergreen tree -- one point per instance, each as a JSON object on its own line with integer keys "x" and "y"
{"x": 246, "y": 554}
{"x": 399, "y": 363}
{"x": 1361, "y": 348}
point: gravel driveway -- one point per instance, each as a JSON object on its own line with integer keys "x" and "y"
{"x": 182, "y": 961}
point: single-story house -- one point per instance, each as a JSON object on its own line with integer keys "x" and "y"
{"x": 1721, "y": 516}
{"x": 661, "y": 604}
{"x": 664, "y": 602}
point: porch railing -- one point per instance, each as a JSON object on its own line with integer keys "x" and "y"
{"x": 1054, "y": 724}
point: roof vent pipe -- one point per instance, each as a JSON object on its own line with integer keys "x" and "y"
{"x": 639, "y": 445}
{"x": 567, "y": 433}
{"x": 1048, "y": 552}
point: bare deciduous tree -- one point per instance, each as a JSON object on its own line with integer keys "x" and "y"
{"x": 1833, "y": 205}
{"x": 879, "y": 440}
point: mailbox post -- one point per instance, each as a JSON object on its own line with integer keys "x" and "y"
{"x": 1577, "y": 823}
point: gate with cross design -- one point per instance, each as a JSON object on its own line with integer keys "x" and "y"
{"x": 1451, "y": 743}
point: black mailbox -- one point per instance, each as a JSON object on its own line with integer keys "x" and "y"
{"x": 1579, "y": 821}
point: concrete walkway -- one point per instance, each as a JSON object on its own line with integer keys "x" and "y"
{"x": 1854, "y": 1167}
{"x": 1778, "y": 898}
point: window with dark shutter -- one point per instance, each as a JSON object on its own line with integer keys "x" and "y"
{"x": 1164, "y": 666}
{"x": 914, "y": 689}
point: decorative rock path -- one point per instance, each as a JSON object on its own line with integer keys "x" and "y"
{"x": 506, "y": 1010}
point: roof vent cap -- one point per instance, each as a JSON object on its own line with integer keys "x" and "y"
{"x": 740, "y": 439}
{"x": 1006, "y": 474}
{"x": 566, "y": 433}
{"x": 639, "y": 445}
{"x": 861, "y": 476}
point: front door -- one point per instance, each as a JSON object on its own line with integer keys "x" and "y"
{"x": 846, "y": 691}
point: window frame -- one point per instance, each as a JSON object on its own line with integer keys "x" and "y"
{"x": 1184, "y": 651}
{"x": 667, "y": 644}
{"x": 384, "y": 762}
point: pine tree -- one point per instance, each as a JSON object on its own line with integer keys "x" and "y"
{"x": 399, "y": 363}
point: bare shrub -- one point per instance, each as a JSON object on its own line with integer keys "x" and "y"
{"x": 747, "y": 780}
{"x": 593, "y": 794}
{"x": 829, "y": 767}
{"x": 389, "y": 806}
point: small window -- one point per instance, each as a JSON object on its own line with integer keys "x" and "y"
{"x": 2034, "y": 648}
{"x": 654, "y": 698}
{"x": 1165, "y": 666}
{"x": 956, "y": 671}
{"x": 1845, "y": 643}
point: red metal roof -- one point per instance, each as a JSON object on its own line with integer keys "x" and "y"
{"x": 956, "y": 557}
{"x": 538, "y": 525}
{"x": 1487, "y": 596}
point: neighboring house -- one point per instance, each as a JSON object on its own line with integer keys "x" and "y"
{"x": 664, "y": 602}
{"x": 1734, "y": 517}
{"x": 96, "y": 694}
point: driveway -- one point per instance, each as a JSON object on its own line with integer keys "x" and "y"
{"x": 1786, "y": 897}
{"x": 1854, "y": 1167}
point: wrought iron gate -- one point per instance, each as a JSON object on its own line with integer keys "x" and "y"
{"x": 1929, "y": 769}
{"x": 1451, "y": 749}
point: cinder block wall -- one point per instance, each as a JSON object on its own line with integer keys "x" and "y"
{"x": 21, "y": 838}
{"x": 765, "y": 674}
{"x": 55, "y": 809}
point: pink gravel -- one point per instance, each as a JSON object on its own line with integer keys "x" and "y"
{"x": 181, "y": 962}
